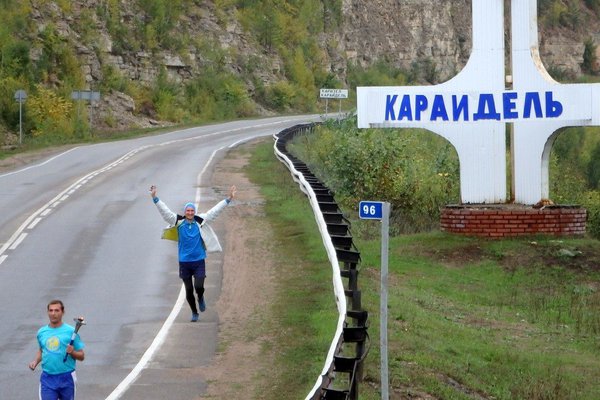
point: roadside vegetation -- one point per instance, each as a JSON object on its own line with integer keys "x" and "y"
{"x": 418, "y": 171}
{"x": 472, "y": 318}
{"x": 469, "y": 318}
{"x": 43, "y": 61}
{"x": 302, "y": 319}
{"x": 46, "y": 62}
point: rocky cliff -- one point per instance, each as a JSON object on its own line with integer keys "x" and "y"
{"x": 415, "y": 30}
{"x": 408, "y": 33}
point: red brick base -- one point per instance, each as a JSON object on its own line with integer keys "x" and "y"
{"x": 507, "y": 220}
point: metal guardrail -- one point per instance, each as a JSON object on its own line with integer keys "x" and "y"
{"x": 350, "y": 344}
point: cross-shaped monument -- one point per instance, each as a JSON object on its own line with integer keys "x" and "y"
{"x": 472, "y": 109}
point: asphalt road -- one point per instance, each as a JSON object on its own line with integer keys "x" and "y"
{"x": 80, "y": 226}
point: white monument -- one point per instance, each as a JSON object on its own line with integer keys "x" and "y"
{"x": 472, "y": 109}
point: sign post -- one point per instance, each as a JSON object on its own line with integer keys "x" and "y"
{"x": 86, "y": 95}
{"x": 381, "y": 211}
{"x": 333, "y": 94}
{"x": 20, "y": 96}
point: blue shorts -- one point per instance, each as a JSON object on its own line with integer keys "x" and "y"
{"x": 187, "y": 269}
{"x": 59, "y": 386}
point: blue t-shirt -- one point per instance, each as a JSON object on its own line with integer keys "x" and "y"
{"x": 53, "y": 342}
{"x": 191, "y": 246}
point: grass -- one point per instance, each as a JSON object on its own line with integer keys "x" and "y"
{"x": 468, "y": 318}
{"x": 499, "y": 319}
{"x": 303, "y": 317}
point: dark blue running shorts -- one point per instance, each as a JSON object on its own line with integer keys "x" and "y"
{"x": 187, "y": 269}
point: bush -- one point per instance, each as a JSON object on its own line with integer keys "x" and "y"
{"x": 591, "y": 201}
{"x": 166, "y": 96}
{"x": 589, "y": 57}
{"x": 280, "y": 96}
{"x": 594, "y": 5}
{"x": 415, "y": 170}
{"x": 112, "y": 79}
{"x": 14, "y": 58}
{"x": 382, "y": 73}
{"x": 333, "y": 16}
{"x": 50, "y": 114}
{"x": 593, "y": 168}
{"x": 552, "y": 12}
{"x": 216, "y": 96}
{"x": 9, "y": 108}
{"x": 168, "y": 106}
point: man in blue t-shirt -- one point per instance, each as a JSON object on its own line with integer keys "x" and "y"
{"x": 58, "y": 378}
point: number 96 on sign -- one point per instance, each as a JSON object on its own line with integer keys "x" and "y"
{"x": 370, "y": 210}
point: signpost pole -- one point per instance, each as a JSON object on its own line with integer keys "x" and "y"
{"x": 86, "y": 95}
{"x": 20, "y": 96}
{"x": 385, "y": 224}
{"x": 381, "y": 211}
{"x": 77, "y": 96}
{"x": 91, "y": 116}
{"x": 20, "y": 122}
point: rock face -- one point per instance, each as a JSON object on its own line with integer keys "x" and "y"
{"x": 408, "y": 32}
{"x": 429, "y": 36}
{"x": 417, "y": 31}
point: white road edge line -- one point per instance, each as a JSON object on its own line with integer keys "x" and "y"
{"x": 162, "y": 334}
{"x": 156, "y": 343}
{"x": 11, "y": 243}
{"x": 82, "y": 181}
{"x": 18, "y": 241}
{"x": 34, "y": 223}
{"x": 39, "y": 165}
{"x": 160, "y": 337}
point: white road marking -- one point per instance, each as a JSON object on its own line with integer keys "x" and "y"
{"x": 18, "y": 241}
{"x": 162, "y": 334}
{"x": 82, "y": 181}
{"x": 156, "y": 343}
{"x": 18, "y": 237}
{"x": 39, "y": 165}
{"x": 34, "y": 223}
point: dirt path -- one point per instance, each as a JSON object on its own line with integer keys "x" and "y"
{"x": 248, "y": 285}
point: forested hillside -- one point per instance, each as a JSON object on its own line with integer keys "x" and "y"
{"x": 178, "y": 61}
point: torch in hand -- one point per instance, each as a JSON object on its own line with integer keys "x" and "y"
{"x": 79, "y": 321}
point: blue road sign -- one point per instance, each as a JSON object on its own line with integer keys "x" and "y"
{"x": 370, "y": 210}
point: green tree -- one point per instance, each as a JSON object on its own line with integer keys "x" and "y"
{"x": 593, "y": 168}
{"x": 266, "y": 28}
{"x": 589, "y": 57}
